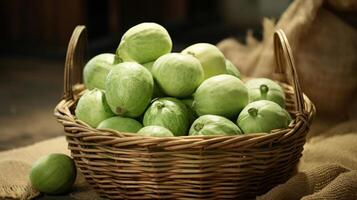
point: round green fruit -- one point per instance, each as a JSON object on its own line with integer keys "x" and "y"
{"x": 262, "y": 116}
{"x": 211, "y": 58}
{"x": 214, "y": 125}
{"x": 155, "y": 131}
{"x": 157, "y": 90}
{"x": 92, "y": 108}
{"x": 53, "y": 174}
{"x": 97, "y": 69}
{"x": 265, "y": 89}
{"x": 232, "y": 69}
{"x": 121, "y": 124}
{"x": 170, "y": 113}
{"x": 129, "y": 89}
{"x": 178, "y": 75}
{"x": 223, "y": 95}
{"x": 144, "y": 42}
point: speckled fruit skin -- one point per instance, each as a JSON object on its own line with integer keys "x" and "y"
{"x": 97, "y": 69}
{"x": 214, "y": 125}
{"x": 144, "y": 43}
{"x": 232, "y": 69}
{"x": 262, "y": 116}
{"x": 129, "y": 89}
{"x": 223, "y": 95}
{"x": 170, "y": 113}
{"x": 53, "y": 174}
{"x": 211, "y": 58}
{"x": 155, "y": 131}
{"x": 178, "y": 75}
{"x": 265, "y": 89}
{"x": 121, "y": 124}
{"x": 92, "y": 108}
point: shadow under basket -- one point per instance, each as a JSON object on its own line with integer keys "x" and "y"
{"x": 128, "y": 166}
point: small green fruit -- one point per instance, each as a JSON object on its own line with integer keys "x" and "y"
{"x": 144, "y": 43}
{"x": 155, "y": 131}
{"x": 265, "y": 89}
{"x": 129, "y": 89}
{"x": 170, "y": 113}
{"x": 232, "y": 69}
{"x": 214, "y": 125}
{"x": 178, "y": 75}
{"x": 92, "y": 108}
{"x": 211, "y": 58}
{"x": 97, "y": 69}
{"x": 53, "y": 174}
{"x": 223, "y": 95}
{"x": 121, "y": 124}
{"x": 262, "y": 116}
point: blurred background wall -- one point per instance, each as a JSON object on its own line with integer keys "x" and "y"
{"x": 43, "y": 28}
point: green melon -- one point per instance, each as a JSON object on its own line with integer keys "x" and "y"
{"x": 92, "y": 108}
{"x": 178, "y": 75}
{"x": 53, "y": 174}
{"x": 97, "y": 69}
{"x": 155, "y": 131}
{"x": 144, "y": 43}
{"x": 262, "y": 116}
{"x": 214, "y": 125}
{"x": 265, "y": 89}
{"x": 170, "y": 113}
{"x": 211, "y": 58}
{"x": 223, "y": 95}
{"x": 232, "y": 69}
{"x": 121, "y": 124}
{"x": 129, "y": 89}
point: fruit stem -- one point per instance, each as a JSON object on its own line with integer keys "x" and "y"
{"x": 198, "y": 126}
{"x": 160, "y": 105}
{"x": 264, "y": 89}
{"x": 253, "y": 112}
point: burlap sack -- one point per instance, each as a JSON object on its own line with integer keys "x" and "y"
{"x": 325, "y": 49}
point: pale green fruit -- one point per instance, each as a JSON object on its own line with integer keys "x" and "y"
{"x": 262, "y": 116}
{"x": 157, "y": 90}
{"x": 223, "y": 95}
{"x": 53, "y": 174}
{"x": 155, "y": 131}
{"x": 232, "y": 69}
{"x": 92, "y": 108}
{"x": 97, "y": 69}
{"x": 214, "y": 125}
{"x": 129, "y": 89}
{"x": 265, "y": 89}
{"x": 121, "y": 124}
{"x": 170, "y": 113}
{"x": 211, "y": 58}
{"x": 178, "y": 75}
{"x": 144, "y": 42}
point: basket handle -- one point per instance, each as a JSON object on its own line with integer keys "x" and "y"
{"x": 285, "y": 62}
{"x": 75, "y": 60}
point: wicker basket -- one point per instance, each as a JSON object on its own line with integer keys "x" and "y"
{"x": 127, "y": 166}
